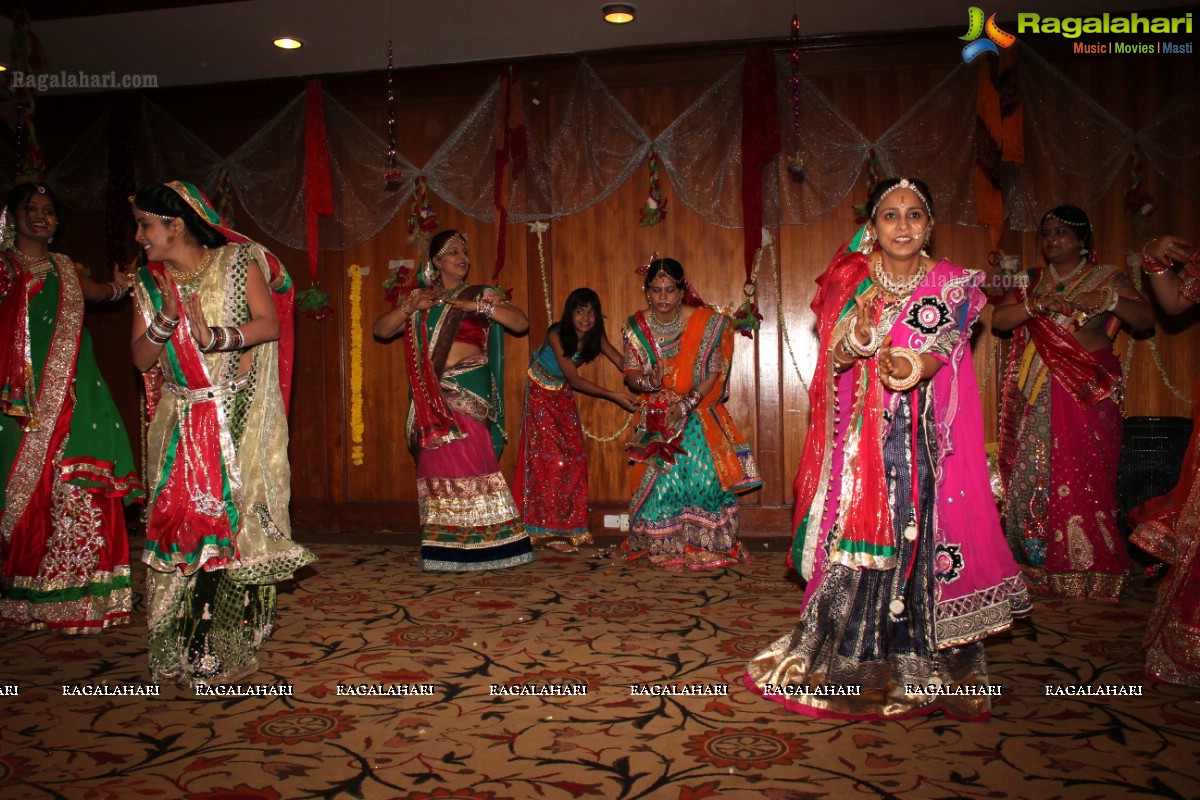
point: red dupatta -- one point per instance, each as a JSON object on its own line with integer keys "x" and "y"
{"x": 871, "y": 523}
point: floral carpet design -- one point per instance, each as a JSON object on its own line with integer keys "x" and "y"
{"x": 364, "y": 616}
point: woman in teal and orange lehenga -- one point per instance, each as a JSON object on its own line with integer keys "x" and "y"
{"x": 67, "y": 467}
{"x": 689, "y": 459}
{"x": 218, "y": 537}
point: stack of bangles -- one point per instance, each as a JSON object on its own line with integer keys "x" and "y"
{"x": 118, "y": 291}
{"x": 161, "y": 328}
{"x": 224, "y": 339}
{"x": 689, "y": 401}
{"x": 914, "y": 376}
{"x": 1032, "y": 308}
{"x": 485, "y": 308}
{"x": 645, "y": 383}
{"x": 1151, "y": 265}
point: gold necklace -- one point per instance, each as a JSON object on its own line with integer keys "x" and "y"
{"x": 186, "y": 278}
{"x": 666, "y": 331}
{"x": 34, "y": 265}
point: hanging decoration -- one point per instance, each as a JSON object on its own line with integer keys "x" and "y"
{"x": 999, "y": 137}
{"x": 1139, "y": 203}
{"x": 393, "y": 177}
{"x": 655, "y": 209}
{"x": 357, "y": 426}
{"x": 861, "y": 212}
{"x": 422, "y": 220}
{"x": 747, "y": 318}
{"x": 795, "y": 166}
{"x": 511, "y": 153}
{"x": 318, "y": 198}
{"x": 26, "y": 57}
{"x": 761, "y": 142}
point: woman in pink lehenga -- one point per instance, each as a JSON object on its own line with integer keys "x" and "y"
{"x": 1060, "y": 420}
{"x": 1168, "y": 527}
{"x": 896, "y": 532}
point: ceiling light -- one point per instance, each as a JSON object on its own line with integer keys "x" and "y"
{"x": 618, "y": 13}
{"x": 288, "y": 43}
{"x": 3, "y": 68}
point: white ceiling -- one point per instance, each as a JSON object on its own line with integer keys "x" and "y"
{"x": 230, "y": 41}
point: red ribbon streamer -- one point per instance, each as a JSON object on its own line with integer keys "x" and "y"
{"x": 318, "y": 187}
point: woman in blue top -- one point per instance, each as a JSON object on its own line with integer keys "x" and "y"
{"x": 551, "y": 485}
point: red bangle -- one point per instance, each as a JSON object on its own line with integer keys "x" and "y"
{"x": 1152, "y": 266}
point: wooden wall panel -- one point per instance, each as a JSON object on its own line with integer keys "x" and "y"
{"x": 872, "y": 83}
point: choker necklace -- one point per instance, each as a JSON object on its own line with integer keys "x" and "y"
{"x": 190, "y": 278}
{"x": 35, "y": 265}
{"x": 1060, "y": 281}
{"x": 898, "y": 287}
{"x": 666, "y": 331}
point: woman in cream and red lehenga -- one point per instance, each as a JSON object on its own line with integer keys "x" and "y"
{"x": 689, "y": 459}
{"x": 896, "y": 530}
{"x": 454, "y": 357}
{"x": 1168, "y": 527}
{"x": 214, "y": 338}
{"x": 67, "y": 469}
{"x": 1060, "y": 419}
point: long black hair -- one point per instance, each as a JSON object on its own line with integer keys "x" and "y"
{"x": 589, "y": 348}
{"x": 164, "y": 201}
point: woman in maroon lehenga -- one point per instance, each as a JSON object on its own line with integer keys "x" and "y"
{"x": 1060, "y": 420}
{"x": 1168, "y": 527}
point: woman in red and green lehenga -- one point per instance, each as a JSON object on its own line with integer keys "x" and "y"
{"x": 213, "y": 335}
{"x": 690, "y": 460}
{"x": 1060, "y": 421}
{"x": 454, "y": 356}
{"x": 67, "y": 467}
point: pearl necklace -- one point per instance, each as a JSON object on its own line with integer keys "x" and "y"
{"x": 898, "y": 287}
{"x": 1060, "y": 281}
{"x": 666, "y": 331}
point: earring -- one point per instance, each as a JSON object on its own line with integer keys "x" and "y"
{"x": 867, "y": 244}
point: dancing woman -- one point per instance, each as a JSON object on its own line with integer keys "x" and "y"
{"x": 1060, "y": 419}
{"x": 454, "y": 356}
{"x": 67, "y": 469}
{"x": 213, "y": 335}
{"x": 690, "y": 460}
{"x": 896, "y": 531}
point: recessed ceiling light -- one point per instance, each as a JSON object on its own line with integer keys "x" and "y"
{"x": 288, "y": 43}
{"x": 618, "y": 13}
{"x": 3, "y": 68}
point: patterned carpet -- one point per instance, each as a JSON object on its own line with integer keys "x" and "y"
{"x": 365, "y": 615}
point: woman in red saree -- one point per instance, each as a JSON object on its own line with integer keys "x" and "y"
{"x": 213, "y": 336}
{"x": 66, "y": 469}
{"x": 1060, "y": 418}
{"x": 1168, "y": 527}
{"x": 690, "y": 461}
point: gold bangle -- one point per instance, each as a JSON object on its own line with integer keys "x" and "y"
{"x": 913, "y": 377}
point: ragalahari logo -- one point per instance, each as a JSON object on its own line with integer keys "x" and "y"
{"x": 976, "y": 28}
